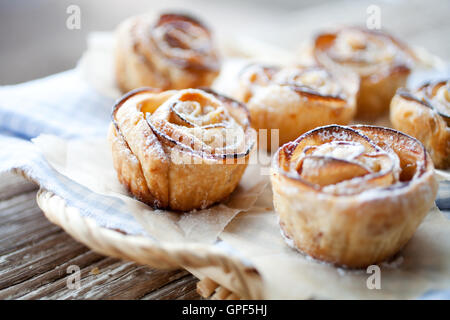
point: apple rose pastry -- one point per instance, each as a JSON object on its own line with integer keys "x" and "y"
{"x": 352, "y": 196}
{"x": 294, "y": 100}
{"x": 425, "y": 114}
{"x": 176, "y": 52}
{"x": 180, "y": 150}
{"x": 381, "y": 61}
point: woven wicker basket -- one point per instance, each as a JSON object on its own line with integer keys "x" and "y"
{"x": 232, "y": 278}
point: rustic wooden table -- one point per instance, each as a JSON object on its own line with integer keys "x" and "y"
{"x": 35, "y": 255}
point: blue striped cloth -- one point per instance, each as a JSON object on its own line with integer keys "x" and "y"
{"x": 66, "y": 106}
{"x": 61, "y": 104}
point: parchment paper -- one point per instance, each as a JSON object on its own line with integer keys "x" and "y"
{"x": 89, "y": 163}
{"x": 424, "y": 264}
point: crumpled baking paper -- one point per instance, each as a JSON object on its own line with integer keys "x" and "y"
{"x": 421, "y": 266}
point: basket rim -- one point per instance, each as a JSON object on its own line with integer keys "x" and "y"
{"x": 202, "y": 260}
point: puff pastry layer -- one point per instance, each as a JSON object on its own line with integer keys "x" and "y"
{"x": 352, "y": 196}
{"x": 175, "y": 52}
{"x": 381, "y": 61}
{"x": 180, "y": 150}
{"x": 295, "y": 100}
{"x": 425, "y": 114}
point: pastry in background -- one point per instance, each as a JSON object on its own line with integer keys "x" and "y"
{"x": 382, "y": 62}
{"x": 425, "y": 114}
{"x": 352, "y": 196}
{"x": 174, "y": 52}
{"x": 180, "y": 150}
{"x": 295, "y": 100}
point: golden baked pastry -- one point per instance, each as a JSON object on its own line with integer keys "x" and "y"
{"x": 294, "y": 100}
{"x": 425, "y": 114}
{"x": 180, "y": 150}
{"x": 381, "y": 61}
{"x": 352, "y": 196}
{"x": 175, "y": 52}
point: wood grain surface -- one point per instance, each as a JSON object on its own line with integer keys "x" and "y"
{"x": 35, "y": 256}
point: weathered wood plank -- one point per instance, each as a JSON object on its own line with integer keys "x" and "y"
{"x": 109, "y": 279}
{"x": 47, "y": 279}
{"x": 38, "y": 258}
{"x": 22, "y": 223}
{"x": 12, "y": 184}
{"x": 185, "y": 288}
{"x": 35, "y": 255}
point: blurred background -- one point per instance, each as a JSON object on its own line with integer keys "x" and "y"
{"x": 35, "y": 41}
